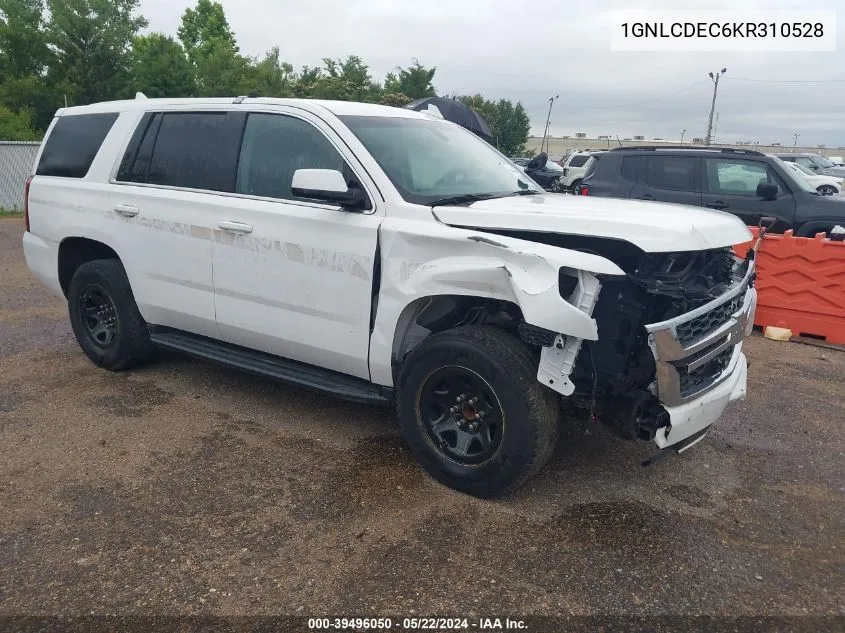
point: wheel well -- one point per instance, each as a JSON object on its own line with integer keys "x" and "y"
{"x": 75, "y": 251}
{"x": 428, "y": 315}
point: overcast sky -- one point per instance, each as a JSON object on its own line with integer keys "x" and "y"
{"x": 531, "y": 51}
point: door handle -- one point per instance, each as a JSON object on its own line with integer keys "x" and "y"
{"x": 126, "y": 210}
{"x": 647, "y": 196}
{"x": 235, "y": 227}
{"x": 717, "y": 205}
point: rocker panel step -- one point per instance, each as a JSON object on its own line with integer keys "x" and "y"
{"x": 292, "y": 372}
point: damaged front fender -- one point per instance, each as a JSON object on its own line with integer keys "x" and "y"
{"x": 437, "y": 260}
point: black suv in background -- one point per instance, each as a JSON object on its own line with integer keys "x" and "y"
{"x": 746, "y": 183}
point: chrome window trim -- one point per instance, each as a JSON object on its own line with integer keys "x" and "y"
{"x": 243, "y": 196}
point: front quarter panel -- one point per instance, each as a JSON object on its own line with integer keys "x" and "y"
{"x": 424, "y": 258}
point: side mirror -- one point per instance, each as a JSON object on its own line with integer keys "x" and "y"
{"x": 327, "y": 185}
{"x": 767, "y": 191}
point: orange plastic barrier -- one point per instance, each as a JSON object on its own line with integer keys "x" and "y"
{"x": 800, "y": 284}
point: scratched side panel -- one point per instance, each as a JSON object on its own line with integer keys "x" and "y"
{"x": 298, "y": 286}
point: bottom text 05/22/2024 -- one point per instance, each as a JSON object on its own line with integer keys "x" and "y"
{"x": 416, "y": 624}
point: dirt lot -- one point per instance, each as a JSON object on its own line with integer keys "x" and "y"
{"x": 184, "y": 487}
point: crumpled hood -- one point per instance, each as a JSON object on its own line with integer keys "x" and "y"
{"x": 654, "y": 227}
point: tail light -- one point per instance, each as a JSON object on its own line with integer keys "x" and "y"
{"x": 26, "y": 202}
{"x": 584, "y": 190}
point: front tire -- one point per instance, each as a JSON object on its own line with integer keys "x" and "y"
{"x": 826, "y": 190}
{"x": 472, "y": 412}
{"x": 104, "y": 316}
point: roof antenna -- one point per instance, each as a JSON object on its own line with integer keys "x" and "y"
{"x": 140, "y": 95}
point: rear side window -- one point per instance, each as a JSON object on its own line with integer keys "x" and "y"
{"x": 630, "y": 167}
{"x": 676, "y": 173}
{"x": 197, "y": 150}
{"x": 578, "y": 161}
{"x": 73, "y": 144}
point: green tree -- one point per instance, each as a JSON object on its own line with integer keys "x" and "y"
{"x": 306, "y": 82}
{"x": 347, "y": 80}
{"x": 36, "y": 96}
{"x": 23, "y": 42}
{"x": 395, "y": 99}
{"x": 24, "y": 58}
{"x": 16, "y": 126}
{"x": 509, "y": 123}
{"x": 211, "y": 47}
{"x": 205, "y": 31}
{"x": 221, "y": 72}
{"x": 160, "y": 68}
{"x": 415, "y": 81}
{"x": 270, "y": 77}
{"x": 91, "y": 41}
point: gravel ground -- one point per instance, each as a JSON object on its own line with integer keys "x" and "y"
{"x": 187, "y": 488}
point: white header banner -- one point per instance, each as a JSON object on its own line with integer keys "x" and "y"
{"x": 723, "y": 30}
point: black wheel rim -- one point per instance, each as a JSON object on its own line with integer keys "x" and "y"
{"x": 99, "y": 315}
{"x": 827, "y": 190}
{"x": 461, "y": 415}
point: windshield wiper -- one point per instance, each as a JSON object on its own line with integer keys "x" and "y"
{"x": 526, "y": 192}
{"x": 465, "y": 198}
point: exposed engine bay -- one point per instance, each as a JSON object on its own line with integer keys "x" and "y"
{"x": 614, "y": 377}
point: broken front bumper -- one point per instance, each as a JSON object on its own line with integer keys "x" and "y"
{"x": 700, "y": 364}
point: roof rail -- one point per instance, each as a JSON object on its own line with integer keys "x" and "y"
{"x": 724, "y": 150}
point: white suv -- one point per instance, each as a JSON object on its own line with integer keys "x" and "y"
{"x": 389, "y": 257}
{"x": 574, "y": 169}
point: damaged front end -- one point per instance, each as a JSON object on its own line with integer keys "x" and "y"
{"x": 668, "y": 356}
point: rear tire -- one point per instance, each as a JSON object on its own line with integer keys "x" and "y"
{"x": 104, "y": 316}
{"x": 574, "y": 186}
{"x": 515, "y": 416}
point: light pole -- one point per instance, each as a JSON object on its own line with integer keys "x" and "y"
{"x": 548, "y": 120}
{"x": 682, "y": 135}
{"x": 715, "y": 80}
{"x": 795, "y": 141}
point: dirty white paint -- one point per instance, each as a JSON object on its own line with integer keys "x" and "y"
{"x": 299, "y": 281}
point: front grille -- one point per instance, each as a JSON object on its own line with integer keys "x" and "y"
{"x": 700, "y": 326}
{"x": 695, "y": 381}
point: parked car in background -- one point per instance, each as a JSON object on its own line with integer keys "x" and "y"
{"x": 837, "y": 161}
{"x": 389, "y": 257}
{"x": 746, "y": 183}
{"x": 826, "y": 185}
{"x": 818, "y": 163}
{"x": 574, "y": 169}
{"x": 541, "y": 170}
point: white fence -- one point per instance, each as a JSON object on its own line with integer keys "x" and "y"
{"x": 16, "y": 160}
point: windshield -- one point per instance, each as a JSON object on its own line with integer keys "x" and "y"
{"x": 803, "y": 169}
{"x": 821, "y": 161}
{"x": 797, "y": 181}
{"x": 430, "y": 160}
